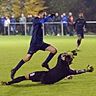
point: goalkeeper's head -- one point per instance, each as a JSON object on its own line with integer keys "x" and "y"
{"x": 68, "y": 57}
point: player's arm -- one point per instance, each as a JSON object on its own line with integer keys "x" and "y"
{"x": 76, "y": 72}
{"x": 46, "y": 18}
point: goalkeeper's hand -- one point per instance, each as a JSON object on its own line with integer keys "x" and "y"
{"x": 90, "y": 68}
{"x": 74, "y": 52}
{"x": 69, "y": 77}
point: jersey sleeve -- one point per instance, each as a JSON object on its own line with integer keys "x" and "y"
{"x": 45, "y": 19}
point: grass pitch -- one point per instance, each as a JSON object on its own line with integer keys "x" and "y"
{"x": 12, "y": 50}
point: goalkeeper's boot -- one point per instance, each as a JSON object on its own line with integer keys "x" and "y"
{"x": 90, "y": 68}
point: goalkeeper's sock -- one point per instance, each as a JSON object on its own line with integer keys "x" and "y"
{"x": 17, "y": 80}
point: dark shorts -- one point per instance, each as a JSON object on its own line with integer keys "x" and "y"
{"x": 80, "y": 34}
{"x": 37, "y": 76}
{"x": 34, "y": 48}
{"x": 44, "y": 77}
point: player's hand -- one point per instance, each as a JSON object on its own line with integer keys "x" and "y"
{"x": 69, "y": 77}
{"x": 90, "y": 68}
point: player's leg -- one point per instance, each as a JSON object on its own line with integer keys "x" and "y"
{"x": 31, "y": 51}
{"x": 52, "y": 51}
{"x": 16, "y": 80}
{"x": 79, "y": 41}
{"x": 24, "y": 60}
{"x": 34, "y": 77}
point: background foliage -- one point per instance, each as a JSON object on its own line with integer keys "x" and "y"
{"x": 17, "y": 7}
{"x": 9, "y": 7}
{"x": 75, "y": 6}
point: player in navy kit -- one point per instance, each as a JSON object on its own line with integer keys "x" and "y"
{"x": 80, "y": 26}
{"x": 37, "y": 43}
{"x": 59, "y": 72}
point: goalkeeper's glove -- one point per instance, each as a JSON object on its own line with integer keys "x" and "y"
{"x": 74, "y": 52}
{"x": 90, "y": 68}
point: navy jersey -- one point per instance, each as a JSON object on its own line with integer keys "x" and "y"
{"x": 37, "y": 34}
{"x": 79, "y": 24}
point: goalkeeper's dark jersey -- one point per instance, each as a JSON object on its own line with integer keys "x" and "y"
{"x": 60, "y": 71}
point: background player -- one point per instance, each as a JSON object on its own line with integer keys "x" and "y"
{"x": 37, "y": 43}
{"x": 80, "y": 27}
{"x": 60, "y": 71}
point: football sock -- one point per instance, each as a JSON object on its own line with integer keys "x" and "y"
{"x": 50, "y": 56}
{"x": 19, "y": 65}
{"x": 78, "y": 42}
{"x": 17, "y": 80}
{"x": 81, "y": 71}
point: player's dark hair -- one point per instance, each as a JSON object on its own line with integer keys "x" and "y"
{"x": 69, "y": 58}
{"x": 40, "y": 12}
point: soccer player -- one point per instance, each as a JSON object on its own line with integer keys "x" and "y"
{"x": 80, "y": 27}
{"x": 37, "y": 43}
{"x": 60, "y": 71}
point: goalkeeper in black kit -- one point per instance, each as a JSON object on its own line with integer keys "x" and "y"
{"x": 59, "y": 72}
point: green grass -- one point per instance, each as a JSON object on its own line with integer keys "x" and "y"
{"x": 14, "y": 48}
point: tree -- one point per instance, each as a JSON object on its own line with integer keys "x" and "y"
{"x": 33, "y": 6}
{"x": 75, "y": 6}
{"x": 17, "y": 7}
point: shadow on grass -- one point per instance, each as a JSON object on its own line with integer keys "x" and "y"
{"x": 65, "y": 82}
{"x": 39, "y": 84}
{"x": 28, "y": 85}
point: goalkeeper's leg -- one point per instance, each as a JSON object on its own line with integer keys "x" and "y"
{"x": 16, "y": 80}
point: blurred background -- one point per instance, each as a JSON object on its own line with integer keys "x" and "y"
{"x": 19, "y": 15}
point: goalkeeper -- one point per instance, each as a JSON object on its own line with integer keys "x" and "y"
{"x": 59, "y": 72}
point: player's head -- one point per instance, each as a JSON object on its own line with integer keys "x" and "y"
{"x": 41, "y": 13}
{"x": 68, "y": 57}
{"x": 81, "y": 15}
